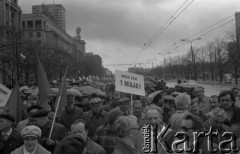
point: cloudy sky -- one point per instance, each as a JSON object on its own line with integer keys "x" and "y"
{"x": 118, "y": 29}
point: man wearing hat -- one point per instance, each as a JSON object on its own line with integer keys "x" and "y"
{"x": 40, "y": 119}
{"x": 10, "y": 139}
{"x": 24, "y": 123}
{"x": 31, "y": 135}
{"x": 112, "y": 103}
{"x": 169, "y": 107}
{"x": 94, "y": 117}
{"x": 124, "y": 105}
{"x": 70, "y": 114}
{"x": 105, "y": 135}
{"x": 138, "y": 112}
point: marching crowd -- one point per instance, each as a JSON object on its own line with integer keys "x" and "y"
{"x": 108, "y": 126}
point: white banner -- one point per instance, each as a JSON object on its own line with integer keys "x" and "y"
{"x": 4, "y": 95}
{"x": 129, "y": 83}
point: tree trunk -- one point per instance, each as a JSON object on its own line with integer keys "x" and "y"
{"x": 236, "y": 74}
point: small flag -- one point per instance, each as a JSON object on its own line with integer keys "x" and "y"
{"x": 43, "y": 85}
{"x": 23, "y": 56}
{"x": 62, "y": 96}
{"x": 14, "y": 104}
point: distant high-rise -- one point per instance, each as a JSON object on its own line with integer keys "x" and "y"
{"x": 57, "y": 11}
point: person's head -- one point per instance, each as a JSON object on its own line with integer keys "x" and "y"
{"x": 6, "y": 122}
{"x": 70, "y": 104}
{"x": 85, "y": 100}
{"x": 124, "y": 125}
{"x": 78, "y": 127}
{"x": 194, "y": 107}
{"x": 226, "y": 99}
{"x": 214, "y": 101}
{"x": 33, "y": 109}
{"x": 153, "y": 115}
{"x": 191, "y": 123}
{"x": 96, "y": 104}
{"x": 94, "y": 95}
{"x": 235, "y": 91}
{"x": 124, "y": 104}
{"x": 31, "y": 100}
{"x": 199, "y": 91}
{"x": 113, "y": 115}
{"x": 137, "y": 108}
{"x": 39, "y": 118}
{"x": 169, "y": 102}
{"x": 158, "y": 100}
{"x": 182, "y": 101}
{"x": 30, "y": 135}
{"x": 71, "y": 144}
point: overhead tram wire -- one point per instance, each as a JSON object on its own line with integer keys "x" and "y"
{"x": 203, "y": 31}
{"x": 210, "y": 26}
{"x": 172, "y": 16}
{"x": 169, "y": 22}
{"x": 162, "y": 29}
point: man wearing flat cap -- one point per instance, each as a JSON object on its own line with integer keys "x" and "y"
{"x": 169, "y": 107}
{"x": 40, "y": 119}
{"x": 31, "y": 135}
{"x": 124, "y": 105}
{"x": 70, "y": 114}
{"x": 10, "y": 139}
{"x": 94, "y": 117}
{"x": 24, "y": 123}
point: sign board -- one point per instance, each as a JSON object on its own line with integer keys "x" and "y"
{"x": 129, "y": 83}
{"x": 4, "y": 95}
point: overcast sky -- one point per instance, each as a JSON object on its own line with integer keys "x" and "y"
{"x": 118, "y": 29}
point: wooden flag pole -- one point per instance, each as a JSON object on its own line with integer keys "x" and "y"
{"x": 58, "y": 102}
{"x": 131, "y": 105}
{"x": 55, "y": 115}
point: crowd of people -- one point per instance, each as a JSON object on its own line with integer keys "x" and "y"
{"x": 94, "y": 125}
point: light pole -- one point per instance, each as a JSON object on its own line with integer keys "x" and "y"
{"x": 193, "y": 59}
{"x": 164, "y": 60}
{"x": 151, "y": 60}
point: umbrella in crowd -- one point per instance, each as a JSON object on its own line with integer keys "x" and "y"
{"x": 148, "y": 78}
{"x": 149, "y": 84}
{"x": 100, "y": 84}
{"x": 88, "y": 90}
{"x": 54, "y": 91}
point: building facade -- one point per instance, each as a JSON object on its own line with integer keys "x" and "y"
{"x": 45, "y": 32}
{"x": 10, "y": 32}
{"x": 57, "y": 11}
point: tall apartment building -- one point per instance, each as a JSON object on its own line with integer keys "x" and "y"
{"x": 57, "y": 11}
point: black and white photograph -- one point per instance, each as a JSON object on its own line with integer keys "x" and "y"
{"x": 119, "y": 76}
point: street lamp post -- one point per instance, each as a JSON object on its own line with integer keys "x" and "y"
{"x": 164, "y": 60}
{"x": 151, "y": 60}
{"x": 193, "y": 60}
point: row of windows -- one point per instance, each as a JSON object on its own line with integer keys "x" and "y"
{"x": 30, "y": 34}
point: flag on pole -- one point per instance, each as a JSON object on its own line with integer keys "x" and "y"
{"x": 80, "y": 79}
{"x": 62, "y": 96}
{"x": 43, "y": 85}
{"x": 61, "y": 101}
{"x": 14, "y": 104}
